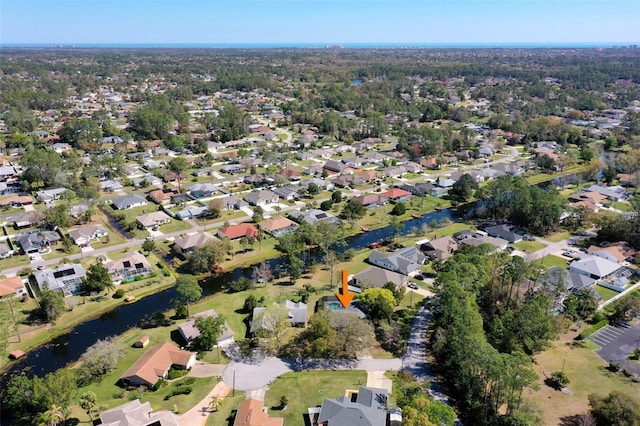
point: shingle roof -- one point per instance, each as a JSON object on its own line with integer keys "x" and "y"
{"x": 151, "y": 366}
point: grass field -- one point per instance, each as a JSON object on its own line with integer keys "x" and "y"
{"x": 556, "y": 237}
{"x": 529, "y": 246}
{"x": 226, "y": 411}
{"x": 587, "y": 374}
{"x": 606, "y": 293}
{"x": 551, "y": 260}
{"x": 308, "y": 389}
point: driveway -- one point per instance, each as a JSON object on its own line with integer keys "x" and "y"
{"x": 200, "y": 412}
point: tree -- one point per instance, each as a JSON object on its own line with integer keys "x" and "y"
{"x": 52, "y": 305}
{"x": 99, "y": 359}
{"x": 188, "y": 290}
{"x": 98, "y": 278}
{"x": 207, "y": 258}
{"x": 88, "y": 401}
{"x": 270, "y": 324}
{"x": 56, "y": 216}
{"x": 326, "y": 205}
{"x": 178, "y": 165}
{"x": 57, "y": 388}
{"x": 17, "y": 394}
{"x": 313, "y": 189}
{"x": 399, "y": 209}
{"x": 210, "y": 330}
{"x": 463, "y": 189}
{"x": 615, "y": 409}
{"x": 41, "y": 167}
{"x": 148, "y": 246}
{"x": 353, "y": 210}
{"x": 379, "y": 302}
{"x": 560, "y": 379}
{"x": 262, "y": 273}
{"x": 216, "y": 402}
{"x": 336, "y": 196}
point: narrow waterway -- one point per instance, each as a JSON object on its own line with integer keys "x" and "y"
{"x": 68, "y": 347}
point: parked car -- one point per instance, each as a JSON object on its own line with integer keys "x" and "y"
{"x": 413, "y": 286}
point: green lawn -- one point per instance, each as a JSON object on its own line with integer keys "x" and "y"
{"x": 226, "y": 411}
{"x": 174, "y": 226}
{"x": 556, "y": 237}
{"x": 529, "y": 246}
{"x": 625, "y": 207}
{"x": 551, "y": 260}
{"x": 606, "y": 293}
{"x": 410, "y": 298}
{"x": 308, "y": 389}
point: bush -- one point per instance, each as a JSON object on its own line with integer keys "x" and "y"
{"x": 178, "y": 391}
{"x": 119, "y": 294}
{"x": 595, "y": 327}
{"x": 164, "y": 268}
{"x": 559, "y": 379}
{"x": 241, "y": 284}
{"x": 175, "y": 373}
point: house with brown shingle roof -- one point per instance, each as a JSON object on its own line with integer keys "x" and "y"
{"x": 440, "y": 248}
{"x": 189, "y": 243}
{"x": 397, "y": 194}
{"x": 238, "y": 231}
{"x": 614, "y": 252}
{"x": 278, "y": 226}
{"x": 251, "y": 413}
{"x": 152, "y": 219}
{"x": 371, "y": 200}
{"x": 162, "y": 196}
{"x": 12, "y": 286}
{"x": 155, "y": 364}
{"x": 16, "y": 201}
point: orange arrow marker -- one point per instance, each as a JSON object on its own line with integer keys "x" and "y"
{"x": 345, "y": 297}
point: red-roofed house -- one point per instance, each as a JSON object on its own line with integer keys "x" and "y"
{"x": 155, "y": 364}
{"x": 238, "y": 231}
{"x": 12, "y": 286}
{"x": 251, "y": 413}
{"x": 397, "y": 194}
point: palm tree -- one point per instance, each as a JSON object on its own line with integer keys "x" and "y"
{"x": 216, "y": 402}
{"x": 88, "y": 403}
{"x": 53, "y": 416}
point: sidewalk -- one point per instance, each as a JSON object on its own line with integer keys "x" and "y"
{"x": 199, "y": 414}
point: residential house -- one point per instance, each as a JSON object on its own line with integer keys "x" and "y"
{"x": 505, "y": 232}
{"x": 261, "y": 198}
{"x": 256, "y": 180}
{"x": 26, "y": 219}
{"x": 571, "y": 280}
{"x": 332, "y": 303}
{"x": 289, "y": 174}
{"x": 368, "y": 175}
{"x": 66, "y": 278}
{"x": 406, "y": 261}
{"x": 16, "y": 201}
{"x": 83, "y": 236}
{"x": 374, "y": 277}
{"x": 48, "y": 196}
{"x": 412, "y": 167}
{"x": 287, "y": 193}
{"x": 109, "y": 185}
{"x": 189, "y": 243}
{"x": 313, "y": 217}
{"x": 155, "y": 364}
{"x": 613, "y": 193}
{"x": 146, "y": 180}
{"x": 153, "y": 219}
{"x": 239, "y": 230}
{"x": 252, "y": 413}
{"x": 231, "y": 202}
{"x": 594, "y": 267}
{"x": 398, "y": 195}
{"x": 588, "y": 196}
{"x": 345, "y": 181}
{"x": 12, "y": 286}
{"x": 133, "y": 265}
{"x": 445, "y": 182}
{"x": 192, "y": 212}
{"x": 367, "y": 407}
{"x": 189, "y": 332}
{"x": 203, "y": 190}
{"x": 394, "y": 172}
{"x": 615, "y": 252}
{"x": 232, "y": 168}
{"x": 371, "y": 201}
{"x": 138, "y": 414}
{"x": 335, "y": 166}
{"x": 278, "y": 226}
{"x": 173, "y": 176}
{"x": 7, "y": 173}
{"x": 261, "y": 322}
{"x": 162, "y": 196}
{"x": 78, "y": 210}
{"x": 322, "y": 184}
{"x": 5, "y": 250}
{"x": 439, "y": 248}
{"x": 126, "y": 202}
{"x": 355, "y": 162}
{"x": 479, "y": 239}
{"x": 38, "y": 242}
{"x": 207, "y": 171}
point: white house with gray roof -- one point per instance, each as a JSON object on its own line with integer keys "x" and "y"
{"x": 594, "y": 267}
{"x": 66, "y": 279}
{"x": 128, "y": 201}
{"x": 261, "y": 198}
{"x": 406, "y": 261}
{"x": 297, "y": 316}
{"x": 366, "y": 408}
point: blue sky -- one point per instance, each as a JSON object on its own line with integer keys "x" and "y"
{"x": 318, "y": 21}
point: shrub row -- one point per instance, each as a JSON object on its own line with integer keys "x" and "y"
{"x": 595, "y": 327}
{"x": 164, "y": 268}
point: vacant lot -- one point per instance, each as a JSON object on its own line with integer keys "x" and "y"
{"x": 588, "y": 375}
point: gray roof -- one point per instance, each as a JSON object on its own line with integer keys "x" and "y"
{"x": 313, "y": 216}
{"x": 572, "y": 280}
{"x": 66, "y": 278}
{"x": 377, "y": 277}
{"x": 193, "y": 211}
{"x": 610, "y": 191}
{"x": 503, "y": 231}
{"x": 189, "y": 331}
{"x": 36, "y": 240}
{"x": 126, "y": 201}
{"x": 594, "y": 266}
{"x": 203, "y": 189}
{"x": 135, "y": 413}
{"x": 369, "y": 409}
{"x": 297, "y": 314}
{"x": 255, "y": 196}
{"x": 403, "y": 261}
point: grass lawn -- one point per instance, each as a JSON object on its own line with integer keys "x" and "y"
{"x": 556, "y": 237}
{"x": 587, "y": 374}
{"x": 625, "y": 207}
{"x": 551, "y": 260}
{"x": 14, "y": 261}
{"x": 606, "y": 293}
{"x": 227, "y": 411}
{"x": 308, "y": 389}
{"x": 410, "y": 298}
{"x": 175, "y": 226}
{"x": 529, "y": 246}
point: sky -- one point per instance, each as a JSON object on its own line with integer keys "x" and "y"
{"x": 319, "y": 21}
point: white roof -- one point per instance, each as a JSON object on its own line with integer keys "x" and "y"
{"x": 594, "y": 265}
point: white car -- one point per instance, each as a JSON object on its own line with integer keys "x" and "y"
{"x": 413, "y": 286}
